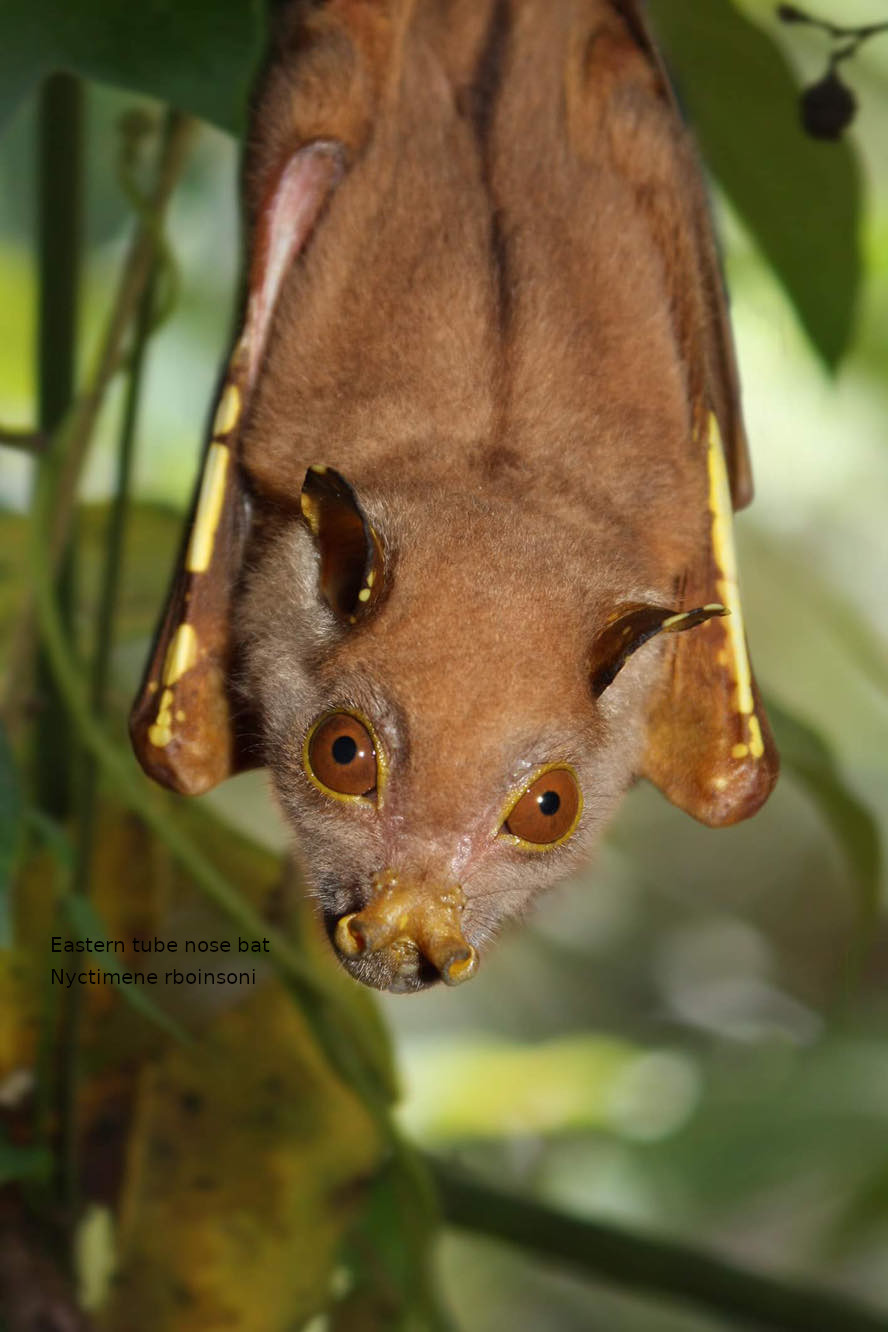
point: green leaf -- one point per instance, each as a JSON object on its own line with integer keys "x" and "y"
{"x": 801, "y": 199}
{"x": 809, "y": 758}
{"x": 11, "y": 824}
{"x": 196, "y": 54}
{"x": 86, "y": 923}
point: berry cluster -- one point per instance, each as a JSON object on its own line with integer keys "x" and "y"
{"x": 828, "y": 106}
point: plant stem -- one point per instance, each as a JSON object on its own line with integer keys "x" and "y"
{"x": 60, "y": 221}
{"x": 643, "y": 1264}
{"x": 87, "y": 786}
{"x": 858, "y": 32}
{"x": 60, "y": 225}
{"x": 111, "y": 574}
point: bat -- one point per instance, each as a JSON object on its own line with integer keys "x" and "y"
{"x": 460, "y": 566}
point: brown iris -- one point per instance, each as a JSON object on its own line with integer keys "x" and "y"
{"x": 341, "y": 755}
{"x": 548, "y": 810}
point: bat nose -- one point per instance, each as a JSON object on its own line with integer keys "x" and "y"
{"x": 408, "y": 920}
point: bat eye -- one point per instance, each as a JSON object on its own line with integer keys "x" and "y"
{"x": 340, "y": 756}
{"x": 548, "y": 810}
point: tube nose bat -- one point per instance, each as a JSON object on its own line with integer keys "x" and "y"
{"x": 460, "y": 565}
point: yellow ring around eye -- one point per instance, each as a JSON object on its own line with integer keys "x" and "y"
{"x": 375, "y": 797}
{"x": 504, "y": 835}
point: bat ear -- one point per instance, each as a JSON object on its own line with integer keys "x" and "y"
{"x": 185, "y": 725}
{"x": 631, "y": 628}
{"x": 709, "y": 747}
{"x": 352, "y": 559}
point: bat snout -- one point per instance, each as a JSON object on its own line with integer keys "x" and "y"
{"x": 407, "y": 936}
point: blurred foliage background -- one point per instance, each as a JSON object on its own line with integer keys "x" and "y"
{"x": 689, "y": 1040}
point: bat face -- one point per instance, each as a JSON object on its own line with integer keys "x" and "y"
{"x": 439, "y": 763}
{"x": 461, "y": 555}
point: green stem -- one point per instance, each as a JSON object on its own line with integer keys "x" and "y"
{"x": 642, "y": 1264}
{"x": 111, "y": 574}
{"x": 59, "y": 237}
{"x": 87, "y": 785}
{"x": 60, "y": 208}
{"x": 121, "y": 506}
{"x": 60, "y": 222}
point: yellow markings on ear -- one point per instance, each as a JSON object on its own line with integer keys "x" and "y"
{"x": 319, "y": 469}
{"x": 728, "y": 590}
{"x": 181, "y": 654}
{"x": 161, "y": 733}
{"x": 228, "y": 412}
{"x": 756, "y": 743}
{"x": 209, "y": 509}
{"x": 364, "y": 594}
{"x": 675, "y": 621}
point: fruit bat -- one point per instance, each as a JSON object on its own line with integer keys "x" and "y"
{"x": 460, "y": 565}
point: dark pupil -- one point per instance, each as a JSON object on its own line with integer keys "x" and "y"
{"x": 345, "y": 749}
{"x": 549, "y": 803}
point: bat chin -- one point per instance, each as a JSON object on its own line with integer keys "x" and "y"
{"x": 399, "y": 969}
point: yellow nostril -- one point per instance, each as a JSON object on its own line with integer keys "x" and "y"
{"x": 350, "y": 943}
{"x": 460, "y": 966}
{"x": 408, "y": 921}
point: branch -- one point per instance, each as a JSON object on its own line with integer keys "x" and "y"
{"x": 24, "y": 441}
{"x": 643, "y": 1264}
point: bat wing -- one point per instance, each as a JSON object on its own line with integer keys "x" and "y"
{"x": 721, "y": 378}
{"x": 709, "y": 747}
{"x": 188, "y": 729}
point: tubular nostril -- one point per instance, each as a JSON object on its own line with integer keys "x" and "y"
{"x": 460, "y": 966}
{"x": 359, "y": 933}
{"x": 410, "y": 927}
{"x": 349, "y": 937}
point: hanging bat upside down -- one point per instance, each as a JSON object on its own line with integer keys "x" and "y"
{"x": 471, "y": 471}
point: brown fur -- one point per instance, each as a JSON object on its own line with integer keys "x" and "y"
{"x": 504, "y": 331}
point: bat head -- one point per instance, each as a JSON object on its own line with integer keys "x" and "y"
{"x": 438, "y": 760}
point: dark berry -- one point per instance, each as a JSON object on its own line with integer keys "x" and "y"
{"x": 828, "y": 107}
